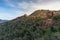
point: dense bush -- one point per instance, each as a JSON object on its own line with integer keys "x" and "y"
{"x": 56, "y": 17}
{"x": 30, "y": 28}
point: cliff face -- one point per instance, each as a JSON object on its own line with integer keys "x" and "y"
{"x": 45, "y": 13}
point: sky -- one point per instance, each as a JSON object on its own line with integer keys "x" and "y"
{"x": 10, "y": 9}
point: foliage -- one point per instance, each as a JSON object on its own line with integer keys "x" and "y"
{"x": 29, "y": 28}
{"x": 56, "y": 17}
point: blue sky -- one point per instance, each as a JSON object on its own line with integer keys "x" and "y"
{"x": 10, "y": 9}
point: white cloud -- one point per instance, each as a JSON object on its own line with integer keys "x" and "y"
{"x": 32, "y": 6}
{"x": 29, "y": 7}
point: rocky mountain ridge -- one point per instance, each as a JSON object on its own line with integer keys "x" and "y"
{"x": 40, "y": 25}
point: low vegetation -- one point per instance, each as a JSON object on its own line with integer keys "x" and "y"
{"x": 32, "y": 27}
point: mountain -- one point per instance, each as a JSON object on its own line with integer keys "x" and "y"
{"x": 2, "y": 21}
{"x": 40, "y": 25}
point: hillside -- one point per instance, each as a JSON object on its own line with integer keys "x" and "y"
{"x": 40, "y": 25}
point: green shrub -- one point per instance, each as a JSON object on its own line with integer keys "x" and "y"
{"x": 56, "y": 17}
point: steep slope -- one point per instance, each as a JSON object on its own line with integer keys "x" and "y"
{"x": 33, "y": 27}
